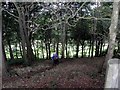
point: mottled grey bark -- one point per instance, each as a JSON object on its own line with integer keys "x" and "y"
{"x": 112, "y": 31}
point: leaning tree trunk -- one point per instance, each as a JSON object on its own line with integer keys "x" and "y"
{"x": 112, "y": 31}
{"x": 112, "y": 35}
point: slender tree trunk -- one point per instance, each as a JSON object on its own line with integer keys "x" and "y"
{"x": 63, "y": 39}
{"x": 54, "y": 46}
{"x": 97, "y": 48}
{"x": 34, "y": 48}
{"x": 57, "y": 48}
{"x": 101, "y": 45}
{"x": 37, "y": 51}
{"x": 49, "y": 50}
{"x": 82, "y": 48}
{"x": 20, "y": 50}
{"x": 42, "y": 50}
{"x": 10, "y": 50}
{"x": 77, "y": 49}
{"x": 66, "y": 45}
{"x": 90, "y": 48}
{"x": 16, "y": 52}
{"x": 46, "y": 45}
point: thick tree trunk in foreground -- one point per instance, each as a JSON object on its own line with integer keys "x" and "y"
{"x": 3, "y": 68}
{"x": 112, "y": 31}
{"x": 112, "y": 35}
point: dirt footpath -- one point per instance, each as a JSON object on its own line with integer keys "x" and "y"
{"x": 77, "y": 73}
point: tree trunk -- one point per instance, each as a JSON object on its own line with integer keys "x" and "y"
{"x": 118, "y": 46}
{"x": 34, "y": 48}
{"x": 16, "y": 52}
{"x": 4, "y": 63}
{"x": 46, "y": 45}
{"x": 101, "y": 45}
{"x": 37, "y": 51}
{"x": 77, "y": 49}
{"x": 28, "y": 36}
{"x": 63, "y": 39}
{"x": 113, "y": 30}
{"x": 97, "y": 48}
{"x": 66, "y": 45}
{"x": 22, "y": 33}
{"x": 10, "y": 50}
{"x": 57, "y": 48}
{"x": 54, "y": 46}
{"x": 49, "y": 50}
{"x": 3, "y": 66}
{"x": 112, "y": 35}
{"x": 90, "y": 48}
{"x": 20, "y": 50}
{"x": 82, "y": 48}
{"x": 42, "y": 50}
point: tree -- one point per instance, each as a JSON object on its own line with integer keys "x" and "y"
{"x": 3, "y": 68}
{"x": 113, "y": 31}
{"x": 112, "y": 35}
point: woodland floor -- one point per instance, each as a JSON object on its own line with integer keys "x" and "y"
{"x": 70, "y": 73}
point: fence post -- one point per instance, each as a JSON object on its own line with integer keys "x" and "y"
{"x": 112, "y": 74}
